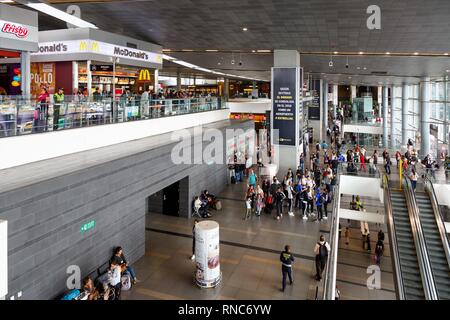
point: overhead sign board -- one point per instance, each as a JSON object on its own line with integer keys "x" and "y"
{"x": 97, "y": 47}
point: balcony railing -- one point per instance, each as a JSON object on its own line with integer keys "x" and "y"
{"x": 19, "y": 116}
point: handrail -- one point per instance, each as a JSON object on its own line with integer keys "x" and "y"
{"x": 419, "y": 241}
{"x": 392, "y": 237}
{"x": 438, "y": 216}
{"x": 329, "y": 289}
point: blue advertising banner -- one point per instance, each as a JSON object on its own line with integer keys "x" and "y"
{"x": 284, "y": 105}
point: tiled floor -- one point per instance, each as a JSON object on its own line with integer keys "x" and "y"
{"x": 249, "y": 255}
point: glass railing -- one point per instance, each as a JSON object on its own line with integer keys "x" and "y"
{"x": 21, "y": 116}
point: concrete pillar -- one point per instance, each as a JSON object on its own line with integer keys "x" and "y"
{"x": 178, "y": 80}
{"x": 385, "y": 116}
{"x": 325, "y": 109}
{"x": 380, "y": 102}
{"x": 405, "y": 117}
{"x": 287, "y": 156}
{"x": 335, "y": 99}
{"x": 89, "y": 78}
{"x": 226, "y": 89}
{"x": 74, "y": 77}
{"x": 353, "y": 92}
{"x": 392, "y": 125}
{"x": 425, "y": 96}
{"x": 156, "y": 81}
{"x": 25, "y": 69}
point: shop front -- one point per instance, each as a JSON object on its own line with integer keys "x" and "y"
{"x": 93, "y": 61}
{"x": 18, "y": 37}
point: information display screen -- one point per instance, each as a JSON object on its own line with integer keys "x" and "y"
{"x": 284, "y": 106}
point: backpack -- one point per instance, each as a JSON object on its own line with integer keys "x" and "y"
{"x": 71, "y": 295}
{"x": 126, "y": 281}
{"x": 323, "y": 252}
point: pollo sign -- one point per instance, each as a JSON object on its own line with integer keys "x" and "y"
{"x": 17, "y": 30}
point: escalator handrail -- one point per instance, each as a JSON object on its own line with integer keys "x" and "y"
{"x": 393, "y": 238}
{"x": 329, "y": 292}
{"x": 438, "y": 216}
{"x": 419, "y": 241}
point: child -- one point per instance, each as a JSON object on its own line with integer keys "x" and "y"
{"x": 347, "y": 236}
{"x": 248, "y": 204}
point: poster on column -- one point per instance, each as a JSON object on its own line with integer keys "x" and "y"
{"x": 207, "y": 253}
{"x": 284, "y": 105}
{"x": 316, "y": 91}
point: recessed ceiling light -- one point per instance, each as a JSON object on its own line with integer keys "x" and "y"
{"x": 447, "y": 70}
{"x": 335, "y": 52}
{"x": 253, "y": 51}
{"x": 187, "y": 50}
{"x": 388, "y": 52}
{"x": 349, "y": 77}
{"x": 446, "y": 54}
{"x": 359, "y": 68}
{"x": 244, "y": 29}
{"x": 416, "y": 53}
{"x": 365, "y": 68}
{"x": 361, "y": 52}
{"x": 212, "y": 50}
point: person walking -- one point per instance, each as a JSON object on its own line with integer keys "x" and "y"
{"x": 252, "y": 179}
{"x": 387, "y": 164}
{"x": 381, "y": 235}
{"x": 319, "y": 204}
{"x": 279, "y": 197}
{"x": 379, "y": 249}
{"x": 369, "y": 248}
{"x": 193, "y": 240}
{"x": 413, "y": 176}
{"x": 286, "y": 259}
{"x": 58, "y": 103}
{"x": 321, "y": 250}
{"x": 347, "y": 235}
{"x": 290, "y": 197}
{"x": 248, "y": 205}
{"x": 259, "y": 199}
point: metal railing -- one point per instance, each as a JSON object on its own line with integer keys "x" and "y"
{"x": 419, "y": 241}
{"x": 329, "y": 283}
{"x": 429, "y": 188}
{"x": 20, "y": 116}
{"x": 393, "y": 238}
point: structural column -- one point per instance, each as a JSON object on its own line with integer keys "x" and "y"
{"x": 425, "y": 95}
{"x": 325, "y": 109}
{"x": 156, "y": 81}
{"x": 353, "y": 92}
{"x": 226, "y": 89}
{"x": 392, "y": 141}
{"x": 404, "y": 114}
{"x": 25, "y": 69}
{"x": 385, "y": 116}
{"x": 335, "y": 99}
{"x": 178, "y": 80}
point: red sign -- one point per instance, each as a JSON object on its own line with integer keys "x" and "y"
{"x": 17, "y": 30}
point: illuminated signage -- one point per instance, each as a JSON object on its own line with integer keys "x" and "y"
{"x": 97, "y": 47}
{"x": 87, "y": 226}
{"x": 144, "y": 75}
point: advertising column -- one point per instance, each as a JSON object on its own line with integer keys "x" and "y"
{"x": 207, "y": 254}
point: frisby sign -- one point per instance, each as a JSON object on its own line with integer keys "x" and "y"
{"x": 17, "y": 31}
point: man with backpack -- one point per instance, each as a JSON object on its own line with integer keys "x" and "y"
{"x": 319, "y": 204}
{"x": 321, "y": 250}
{"x": 286, "y": 259}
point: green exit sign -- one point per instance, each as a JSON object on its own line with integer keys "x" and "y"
{"x": 87, "y": 226}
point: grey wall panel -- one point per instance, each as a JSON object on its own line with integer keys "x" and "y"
{"x": 44, "y": 236}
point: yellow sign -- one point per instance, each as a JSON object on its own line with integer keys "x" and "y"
{"x": 83, "y": 46}
{"x": 95, "y": 47}
{"x": 144, "y": 75}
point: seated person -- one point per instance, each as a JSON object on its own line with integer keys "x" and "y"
{"x": 210, "y": 198}
{"x": 118, "y": 258}
{"x": 90, "y": 289}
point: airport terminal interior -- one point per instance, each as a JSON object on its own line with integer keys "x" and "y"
{"x": 224, "y": 150}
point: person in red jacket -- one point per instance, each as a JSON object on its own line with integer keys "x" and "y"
{"x": 362, "y": 160}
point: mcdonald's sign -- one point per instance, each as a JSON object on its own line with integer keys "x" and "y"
{"x": 95, "y": 46}
{"x": 83, "y": 46}
{"x": 144, "y": 75}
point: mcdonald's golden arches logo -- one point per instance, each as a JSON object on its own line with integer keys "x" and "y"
{"x": 94, "y": 46}
{"x": 83, "y": 46}
{"x": 144, "y": 75}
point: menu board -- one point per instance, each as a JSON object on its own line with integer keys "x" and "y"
{"x": 284, "y": 105}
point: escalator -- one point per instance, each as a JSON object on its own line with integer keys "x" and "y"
{"x": 436, "y": 241}
{"x": 410, "y": 260}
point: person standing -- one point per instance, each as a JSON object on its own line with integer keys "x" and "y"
{"x": 321, "y": 250}
{"x": 290, "y": 197}
{"x": 116, "y": 278}
{"x": 193, "y": 240}
{"x": 58, "y": 99}
{"x": 259, "y": 199}
{"x": 381, "y": 235}
{"x": 279, "y": 197}
{"x": 252, "y": 179}
{"x": 387, "y": 164}
{"x": 319, "y": 204}
{"x": 286, "y": 259}
{"x": 347, "y": 235}
{"x": 379, "y": 249}
{"x": 413, "y": 176}
{"x": 248, "y": 206}
{"x": 369, "y": 248}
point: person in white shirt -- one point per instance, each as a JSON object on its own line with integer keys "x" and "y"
{"x": 321, "y": 250}
{"x": 290, "y": 196}
{"x": 116, "y": 277}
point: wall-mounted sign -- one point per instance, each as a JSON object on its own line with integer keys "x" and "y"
{"x": 144, "y": 75}
{"x": 87, "y": 226}
{"x": 284, "y": 105}
{"x": 17, "y": 31}
{"x": 101, "y": 68}
{"x": 97, "y": 47}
